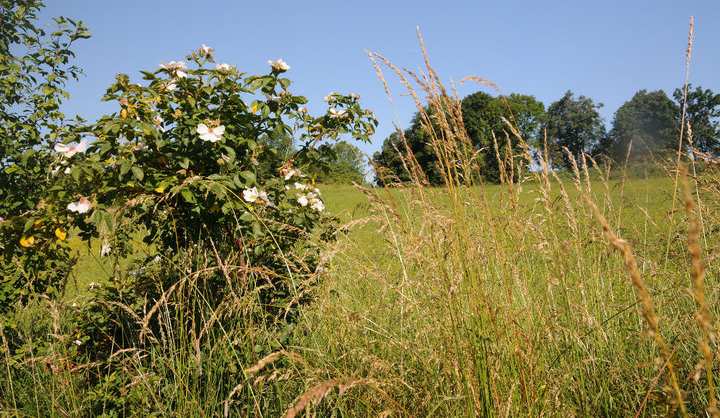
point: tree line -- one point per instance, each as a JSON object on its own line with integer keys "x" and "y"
{"x": 644, "y": 128}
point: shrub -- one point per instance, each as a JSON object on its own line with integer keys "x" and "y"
{"x": 192, "y": 163}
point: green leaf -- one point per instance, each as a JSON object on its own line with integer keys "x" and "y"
{"x": 187, "y": 195}
{"x": 249, "y": 177}
{"x": 124, "y": 167}
{"x": 11, "y": 169}
{"x": 138, "y": 173}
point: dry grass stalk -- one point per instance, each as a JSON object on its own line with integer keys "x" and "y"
{"x": 702, "y": 316}
{"x": 683, "y": 117}
{"x": 316, "y": 393}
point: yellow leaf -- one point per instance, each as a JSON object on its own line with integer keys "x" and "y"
{"x": 27, "y": 242}
{"x": 160, "y": 188}
{"x": 123, "y": 113}
{"x": 60, "y": 234}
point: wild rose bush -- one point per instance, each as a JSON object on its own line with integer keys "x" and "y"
{"x": 203, "y": 163}
{"x": 193, "y": 162}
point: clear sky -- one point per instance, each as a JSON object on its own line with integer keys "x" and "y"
{"x": 606, "y": 50}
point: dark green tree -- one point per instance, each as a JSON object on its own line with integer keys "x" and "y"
{"x": 342, "y": 163}
{"x": 573, "y": 123}
{"x": 389, "y": 164}
{"x": 703, "y": 114}
{"x": 483, "y": 115}
{"x": 648, "y": 123}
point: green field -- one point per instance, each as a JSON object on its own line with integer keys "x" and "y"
{"x": 491, "y": 300}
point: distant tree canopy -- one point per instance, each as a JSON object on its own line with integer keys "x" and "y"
{"x": 341, "y": 163}
{"x": 573, "y": 123}
{"x": 646, "y": 125}
{"x": 703, "y": 114}
{"x": 483, "y": 115}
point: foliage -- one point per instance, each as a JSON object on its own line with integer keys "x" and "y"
{"x": 389, "y": 160}
{"x": 388, "y": 163}
{"x": 644, "y": 128}
{"x": 193, "y": 163}
{"x": 340, "y": 163}
{"x": 483, "y": 117}
{"x": 703, "y": 115}
{"x": 34, "y": 67}
{"x": 488, "y": 120}
{"x": 574, "y": 124}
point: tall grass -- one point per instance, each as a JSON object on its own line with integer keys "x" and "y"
{"x": 548, "y": 296}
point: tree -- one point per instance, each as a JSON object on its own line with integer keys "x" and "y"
{"x": 703, "y": 114}
{"x": 343, "y": 163}
{"x": 389, "y": 162}
{"x": 645, "y": 124}
{"x": 523, "y": 112}
{"x": 575, "y": 124}
{"x": 483, "y": 115}
{"x": 34, "y": 68}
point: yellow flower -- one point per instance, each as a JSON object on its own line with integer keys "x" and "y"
{"x": 160, "y": 188}
{"x": 60, "y": 234}
{"x": 27, "y": 242}
{"x": 254, "y": 107}
{"x": 38, "y": 223}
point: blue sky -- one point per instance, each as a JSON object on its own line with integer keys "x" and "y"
{"x": 606, "y": 50}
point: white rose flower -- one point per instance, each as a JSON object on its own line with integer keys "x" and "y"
{"x": 337, "y": 114}
{"x": 210, "y": 134}
{"x": 67, "y": 170}
{"x": 177, "y": 68}
{"x": 330, "y": 96}
{"x": 251, "y": 195}
{"x": 77, "y": 342}
{"x": 302, "y": 200}
{"x": 81, "y": 206}
{"x": 317, "y": 205}
{"x": 291, "y": 173}
{"x": 225, "y": 68}
{"x": 170, "y": 86}
{"x": 279, "y": 65}
{"x": 206, "y": 50}
{"x": 105, "y": 249}
{"x": 68, "y": 150}
{"x": 300, "y": 186}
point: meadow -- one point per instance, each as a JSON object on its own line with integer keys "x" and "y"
{"x": 498, "y": 301}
